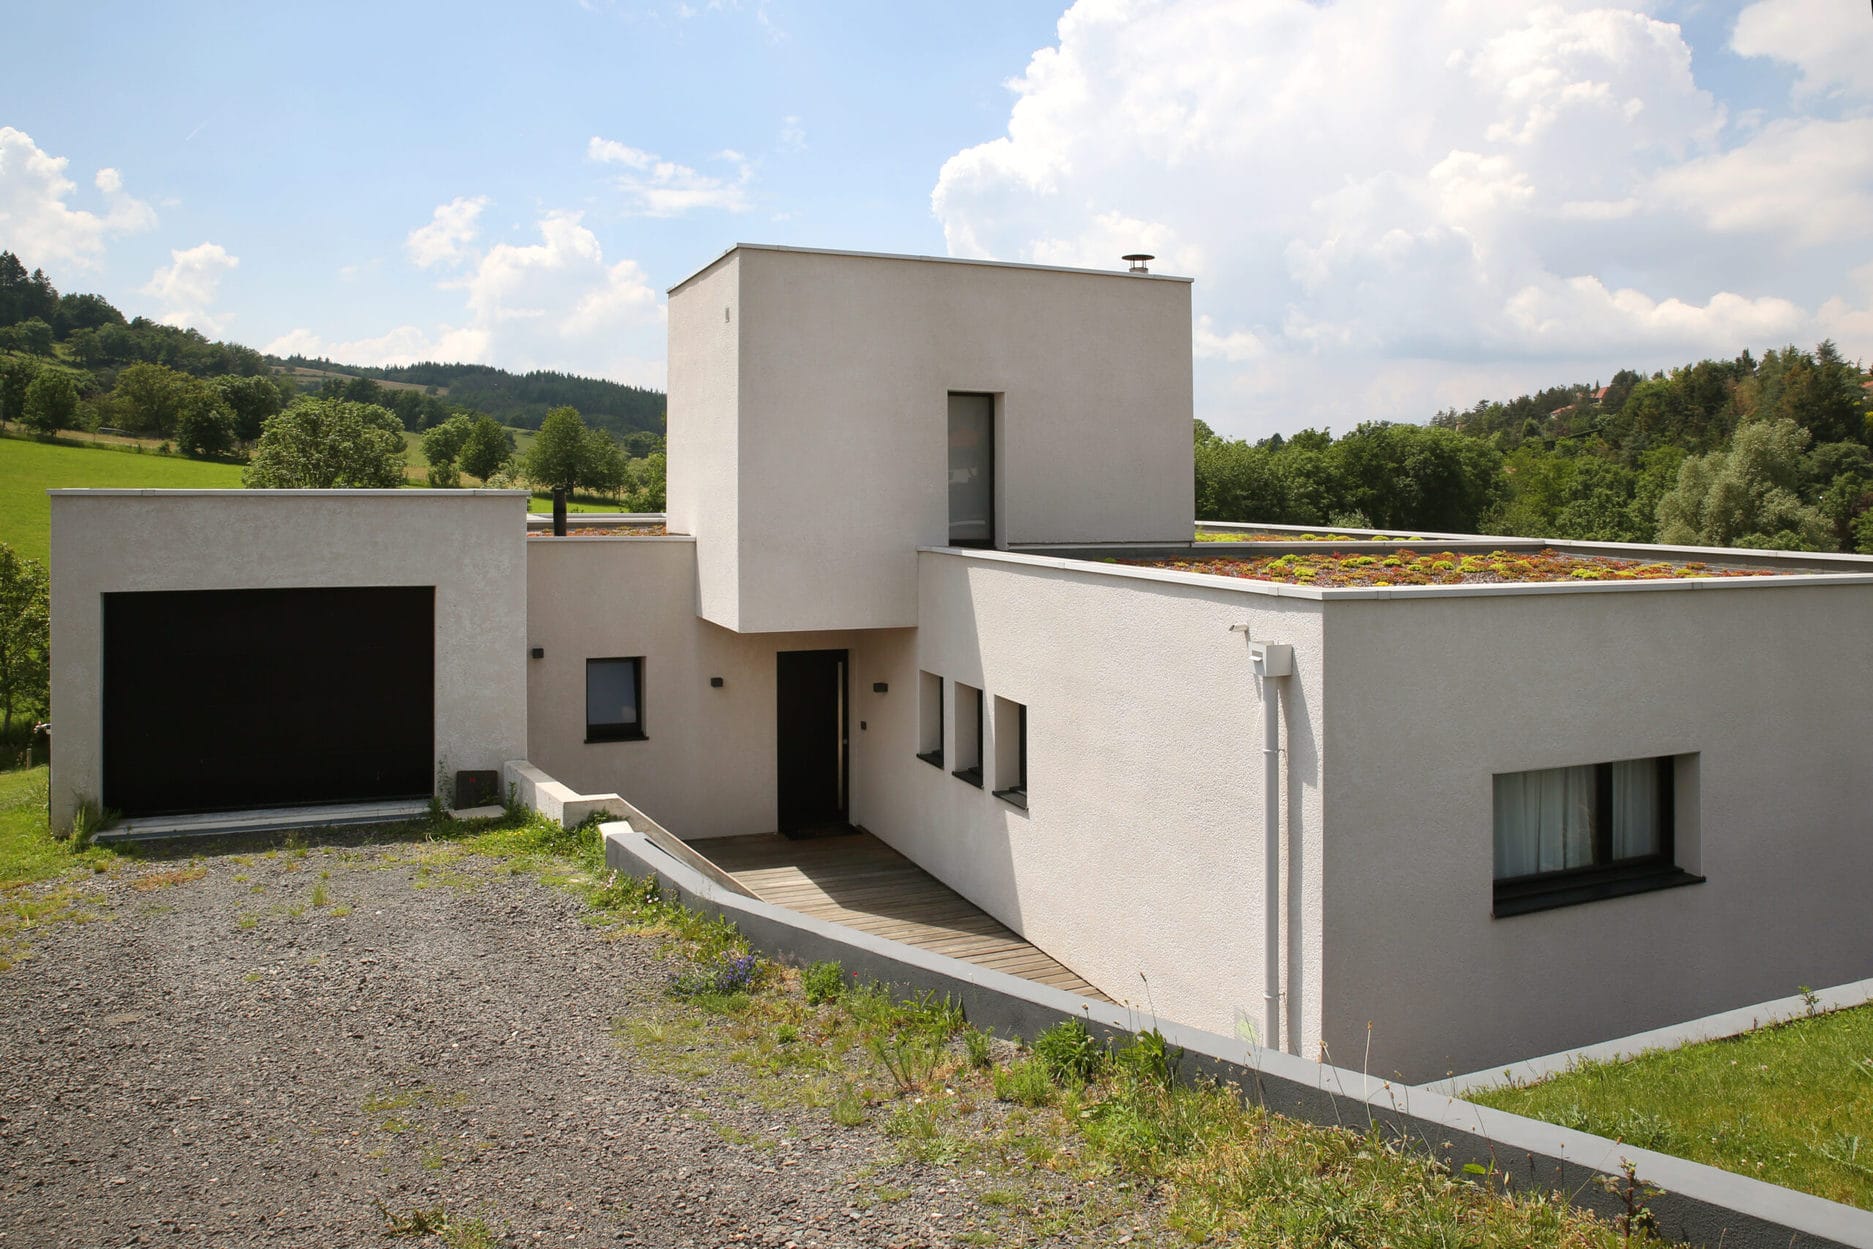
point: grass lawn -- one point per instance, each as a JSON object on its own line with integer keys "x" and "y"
{"x": 27, "y": 850}
{"x": 1792, "y": 1104}
{"x": 28, "y": 468}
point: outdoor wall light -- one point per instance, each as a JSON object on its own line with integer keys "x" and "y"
{"x": 538, "y": 652}
{"x": 879, "y": 687}
{"x": 715, "y": 683}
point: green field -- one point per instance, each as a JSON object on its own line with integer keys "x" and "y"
{"x": 29, "y": 468}
{"x": 1789, "y": 1104}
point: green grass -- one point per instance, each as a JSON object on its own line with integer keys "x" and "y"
{"x": 1792, "y": 1104}
{"x": 27, "y": 851}
{"x": 29, "y": 468}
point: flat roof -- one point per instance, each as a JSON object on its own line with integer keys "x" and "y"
{"x": 935, "y": 260}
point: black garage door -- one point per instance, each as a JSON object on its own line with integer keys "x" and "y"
{"x": 222, "y": 700}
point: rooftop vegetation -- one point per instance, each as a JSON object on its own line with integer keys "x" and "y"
{"x": 1789, "y": 1104}
{"x": 1339, "y": 570}
{"x": 1212, "y": 535}
{"x": 606, "y": 531}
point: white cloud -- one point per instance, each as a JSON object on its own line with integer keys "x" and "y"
{"x": 187, "y": 289}
{"x": 1829, "y": 41}
{"x": 37, "y": 220}
{"x": 446, "y": 239}
{"x": 1441, "y": 195}
{"x": 655, "y": 187}
{"x": 1802, "y": 177}
{"x": 554, "y": 304}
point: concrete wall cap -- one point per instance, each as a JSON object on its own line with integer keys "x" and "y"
{"x": 939, "y": 260}
{"x": 1281, "y": 589}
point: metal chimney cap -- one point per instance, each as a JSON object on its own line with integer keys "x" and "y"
{"x": 1137, "y": 261}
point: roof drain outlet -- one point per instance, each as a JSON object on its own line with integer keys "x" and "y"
{"x": 1272, "y": 661}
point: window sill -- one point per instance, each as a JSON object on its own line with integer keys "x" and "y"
{"x": 934, "y": 758}
{"x": 1013, "y": 797}
{"x": 594, "y": 739}
{"x": 1551, "y": 895}
{"x": 972, "y": 775}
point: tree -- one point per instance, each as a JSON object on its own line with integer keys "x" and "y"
{"x": 84, "y": 312}
{"x": 204, "y": 423}
{"x": 148, "y": 398}
{"x": 25, "y": 635}
{"x": 486, "y": 448}
{"x": 16, "y": 374}
{"x": 31, "y": 335}
{"x": 325, "y": 444}
{"x": 442, "y": 446}
{"x": 559, "y": 458}
{"x": 250, "y": 401}
{"x": 1746, "y": 496}
{"x": 51, "y": 402}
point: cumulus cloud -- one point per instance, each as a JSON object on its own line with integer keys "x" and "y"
{"x": 1829, "y": 42}
{"x": 446, "y": 239}
{"x": 555, "y": 304}
{"x": 1440, "y": 195}
{"x": 188, "y": 288}
{"x": 654, "y": 187}
{"x": 37, "y": 220}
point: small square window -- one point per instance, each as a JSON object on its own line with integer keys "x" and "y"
{"x": 1011, "y": 752}
{"x": 614, "y": 699}
{"x": 968, "y": 734}
{"x": 1577, "y": 834}
{"x": 930, "y": 718}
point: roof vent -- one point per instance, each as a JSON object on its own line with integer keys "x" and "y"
{"x": 1137, "y": 260}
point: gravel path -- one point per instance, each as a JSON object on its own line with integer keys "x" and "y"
{"x": 332, "y": 1047}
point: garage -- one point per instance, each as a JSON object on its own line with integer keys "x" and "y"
{"x": 229, "y": 700}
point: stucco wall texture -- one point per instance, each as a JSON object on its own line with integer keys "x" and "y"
{"x": 1762, "y": 683}
{"x": 706, "y": 767}
{"x": 837, "y": 376}
{"x": 468, "y": 544}
{"x": 1138, "y": 861}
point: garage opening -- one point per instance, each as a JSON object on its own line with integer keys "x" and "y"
{"x": 231, "y": 700}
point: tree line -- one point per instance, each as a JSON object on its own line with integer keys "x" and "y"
{"x": 521, "y": 399}
{"x": 1776, "y": 452}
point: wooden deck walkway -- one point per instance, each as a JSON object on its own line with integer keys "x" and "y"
{"x": 862, "y": 883}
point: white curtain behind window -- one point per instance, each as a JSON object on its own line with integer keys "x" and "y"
{"x": 1635, "y": 808}
{"x": 1544, "y": 821}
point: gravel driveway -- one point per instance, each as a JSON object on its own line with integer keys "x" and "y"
{"x": 341, "y": 1046}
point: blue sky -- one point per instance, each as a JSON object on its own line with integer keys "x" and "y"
{"x": 1389, "y": 208}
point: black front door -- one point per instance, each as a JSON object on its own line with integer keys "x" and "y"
{"x": 810, "y": 742}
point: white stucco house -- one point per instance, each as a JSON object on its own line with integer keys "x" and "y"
{"x": 1501, "y": 819}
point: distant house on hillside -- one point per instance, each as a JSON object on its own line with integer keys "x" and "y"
{"x": 929, "y": 569}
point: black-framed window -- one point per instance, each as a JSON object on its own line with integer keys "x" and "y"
{"x": 968, "y": 734}
{"x": 1578, "y": 834}
{"x": 972, "y": 469}
{"x": 1011, "y": 752}
{"x": 614, "y": 699}
{"x": 930, "y": 718}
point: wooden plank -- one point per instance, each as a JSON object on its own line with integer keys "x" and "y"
{"x": 862, "y": 883}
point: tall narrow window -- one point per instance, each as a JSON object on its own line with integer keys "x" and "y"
{"x": 972, "y": 470}
{"x": 614, "y": 699}
{"x": 1011, "y": 752}
{"x": 930, "y": 715}
{"x": 1565, "y": 835}
{"x": 968, "y": 734}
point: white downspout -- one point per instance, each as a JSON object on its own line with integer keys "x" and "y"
{"x": 1272, "y": 661}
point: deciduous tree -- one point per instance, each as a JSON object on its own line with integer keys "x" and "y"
{"x": 324, "y": 444}
{"x": 25, "y": 635}
{"x": 51, "y": 402}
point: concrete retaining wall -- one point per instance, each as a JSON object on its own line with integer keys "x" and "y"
{"x": 1701, "y": 1205}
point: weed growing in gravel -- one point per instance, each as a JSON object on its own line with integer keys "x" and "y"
{"x": 321, "y": 896}
{"x": 822, "y": 982}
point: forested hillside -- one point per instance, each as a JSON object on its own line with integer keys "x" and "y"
{"x": 522, "y": 399}
{"x": 1769, "y": 453}
{"x": 143, "y": 376}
